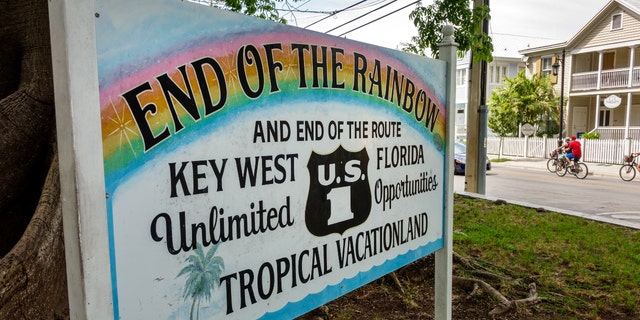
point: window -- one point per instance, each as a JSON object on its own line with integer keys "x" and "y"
{"x": 604, "y": 118}
{"x": 616, "y": 21}
{"x": 496, "y": 74}
{"x": 491, "y": 75}
{"x": 461, "y": 118}
{"x": 502, "y": 73}
{"x": 546, "y": 66}
{"x": 461, "y": 77}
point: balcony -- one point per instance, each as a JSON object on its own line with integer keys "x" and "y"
{"x": 614, "y": 78}
{"x": 618, "y": 133}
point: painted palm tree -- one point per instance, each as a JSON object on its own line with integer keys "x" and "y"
{"x": 203, "y": 272}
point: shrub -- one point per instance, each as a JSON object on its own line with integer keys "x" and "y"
{"x": 591, "y": 135}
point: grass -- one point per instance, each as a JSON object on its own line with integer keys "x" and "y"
{"x": 583, "y": 269}
{"x": 587, "y": 267}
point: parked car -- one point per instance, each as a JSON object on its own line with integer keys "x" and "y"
{"x": 460, "y": 159}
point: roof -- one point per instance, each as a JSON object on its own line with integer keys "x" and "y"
{"x": 633, "y": 7}
{"x": 631, "y": 3}
{"x": 508, "y": 46}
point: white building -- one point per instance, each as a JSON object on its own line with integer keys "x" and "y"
{"x": 601, "y": 73}
{"x": 507, "y": 62}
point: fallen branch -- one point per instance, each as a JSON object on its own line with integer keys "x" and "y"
{"x": 473, "y": 266}
{"x": 505, "y": 304}
{"x": 397, "y": 281}
{"x": 483, "y": 285}
{"x": 460, "y": 259}
{"x": 514, "y": 304}
{"x": 489, "y": 275}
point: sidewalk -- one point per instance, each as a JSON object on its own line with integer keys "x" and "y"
{"x": 595, "y": 169}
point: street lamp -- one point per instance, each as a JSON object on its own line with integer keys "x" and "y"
{"x": 554, "y": 70}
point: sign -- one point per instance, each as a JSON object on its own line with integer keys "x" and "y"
{"x": 612, "y": 101}
{"x": 528, "y": 129}
{"x": 256, "y": 170}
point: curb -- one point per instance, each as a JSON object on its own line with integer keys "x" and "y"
{"x": 593, "y": 217}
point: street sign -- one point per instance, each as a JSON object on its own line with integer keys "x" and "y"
{"x": 527, "y": 129}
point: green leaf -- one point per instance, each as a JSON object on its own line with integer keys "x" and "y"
{"x": 467, "y": 22}
{"x": 521, "y": 100}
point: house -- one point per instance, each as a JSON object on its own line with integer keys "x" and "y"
{"x": 507, "y": 62}
{"x": 599, "y": 73}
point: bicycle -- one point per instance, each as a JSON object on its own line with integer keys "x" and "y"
{"x": 580, "y": 170}
{"x": 553, "y": 161}
{"x": 628, "y": 168}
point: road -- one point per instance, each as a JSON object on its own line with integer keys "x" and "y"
{"x": 598, "y": 195}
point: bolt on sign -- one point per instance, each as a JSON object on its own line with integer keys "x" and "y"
{"x": 258, "y": 170}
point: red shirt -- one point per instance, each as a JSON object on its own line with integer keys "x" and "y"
{"x": 575, "y": 148}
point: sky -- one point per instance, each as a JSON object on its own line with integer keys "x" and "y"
{"x": 514, "y": 24}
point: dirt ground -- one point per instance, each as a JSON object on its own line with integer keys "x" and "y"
{"x": 382, "y": 299}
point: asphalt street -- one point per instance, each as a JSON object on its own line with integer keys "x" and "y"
{"x": 595, "y": 169}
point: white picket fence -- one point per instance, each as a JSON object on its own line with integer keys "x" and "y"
{"x": 593, "y": 150}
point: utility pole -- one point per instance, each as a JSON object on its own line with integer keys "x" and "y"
{"x": 475, "y": 171}
{"x": 482, "y": 118}
{"x": 471, "y": 169}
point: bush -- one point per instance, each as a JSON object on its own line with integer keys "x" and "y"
{"x": 591, "y": 135}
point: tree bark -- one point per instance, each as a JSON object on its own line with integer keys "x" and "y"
{"x": 32, "y": 270}
{"x": 26, "y": 113}
{"x": 33, "y": 282}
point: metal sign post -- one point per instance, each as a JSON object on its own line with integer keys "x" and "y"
{"x": 444, "y": 256}
{"x": 79, "y": 148}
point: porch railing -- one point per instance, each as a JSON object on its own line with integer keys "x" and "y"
{"x": 584, "y": 81}
{"x": 615, "y": 78}
{"x": 617, "y": 133}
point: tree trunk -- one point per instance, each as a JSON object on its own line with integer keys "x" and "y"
{"x": 32, "y": 275}
{"x": 32, "y": 270}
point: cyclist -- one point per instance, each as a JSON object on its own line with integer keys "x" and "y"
{"x": 574, "y": 151}
{"x": 564, "y": 146}
{"x": 635, "y": 154}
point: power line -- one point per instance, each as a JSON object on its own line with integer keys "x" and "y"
{"x": 297, "y": 9}
{"x": 292, "y": 10}
{"x": 362, "y": 16}
{"x": 384, "y": 16}
{"x": 309, "y": 11}
{"x": 336, "y": 12}
{"x": 522, "y": 36}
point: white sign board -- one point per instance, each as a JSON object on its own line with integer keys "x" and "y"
{"x": 256, "y": 170}
{"x": 612, "y": 101}
{"x": 528, "y": 129}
